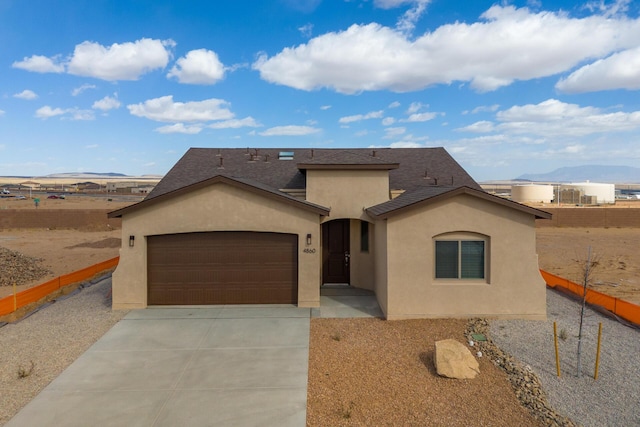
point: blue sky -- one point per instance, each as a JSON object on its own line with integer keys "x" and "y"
{"x": 507, "y": 87}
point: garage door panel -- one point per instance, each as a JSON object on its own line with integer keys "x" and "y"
{"x": 222, "y": 268}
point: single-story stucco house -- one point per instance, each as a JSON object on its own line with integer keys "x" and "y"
{"x": 272, "y": 226}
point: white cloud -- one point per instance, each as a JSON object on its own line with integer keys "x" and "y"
{"x": 164, "y": 109}
{"x": 40, "y": 64}
{"x": 306, "y": 30}
{"x": 1, "y": 112}
{"x": 388, "y": 121}
{"x": 415, "y": 107}
{"x": 325, "y": 107}
{"x": 107, "y": 103}
{"x": 126, "y": 61}
{"x": 405, "y": 144}
{"x": 47, "y": 112}
{"x": 407, "y": 22}
{"x": 614, "y": 8}
{"x": 420, "y": 117}
{"x": 179, "y": 128}
{"x": 574, "y": 149}
{"x": 394, "y": 104}
{"x": 618, "y": 71}
{"x": 236, "y": 123}
{"x": 554, "y": 119}
{"x": 359, "y": 117}
{"x": 90, "y": 146}
{"x": 504, "y": 45}
{"x": 391, "y": 133}
{"x": 483, "y": 109}
{"x": 200, "y": 66}
{"x": 483, "y": 126}
{"x": 77, "y": 91}
{"x": 77, "y": 114}
{"x": 291, "y": 130}
{"x": 26, "y": 94}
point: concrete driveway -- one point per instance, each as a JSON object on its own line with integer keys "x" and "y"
{"x": 227, "y": 366}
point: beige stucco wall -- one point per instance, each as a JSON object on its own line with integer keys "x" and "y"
{"x": 347, "y": 192}
{"x": 380, "y": 267}
{"x": 362, "y": 263}
{"x": 218, "y": 207}
{"x": 513, "y": 288}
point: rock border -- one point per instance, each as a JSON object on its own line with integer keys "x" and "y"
{"x": 526, "y": 384}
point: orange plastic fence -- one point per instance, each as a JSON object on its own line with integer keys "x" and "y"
{"x": 621, "y": 308}
{"x": 13, "y": 302}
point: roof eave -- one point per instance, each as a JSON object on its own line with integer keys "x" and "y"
{"x": 312, "y": 166}
{"x": 539, "y": 214}
{"x": 320, "y": 210}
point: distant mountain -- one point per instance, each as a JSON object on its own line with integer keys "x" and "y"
{"x": 593, "y": 173}
{"x": 87, "y": 175}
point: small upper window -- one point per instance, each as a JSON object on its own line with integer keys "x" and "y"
{"x": 460, "y": 259}
{"x": 285, "y": 155}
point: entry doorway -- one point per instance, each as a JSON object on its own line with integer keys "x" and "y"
{"x": 336, "y": 258}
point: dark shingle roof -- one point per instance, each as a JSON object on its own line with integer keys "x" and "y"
{"x": 346, "y": 159}
{"x": 417, "y": 167}
{"x": 244, "y": 183}
{"x": 426, "y": 195}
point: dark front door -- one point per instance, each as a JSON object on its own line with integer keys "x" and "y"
{"x": 335, "y": 251}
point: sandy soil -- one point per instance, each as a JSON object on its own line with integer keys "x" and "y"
{"x": 376, "y": 373}
{"x": 62, "y": 251}
{"x": 73, "y": 201}
{"x": 615, "y": 256}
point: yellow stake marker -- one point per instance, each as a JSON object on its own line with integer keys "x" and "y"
{"x": 555, "y": 340}
{"x": 595, "y": 374}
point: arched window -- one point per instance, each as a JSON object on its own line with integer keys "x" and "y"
{"x": 461, "y": 256}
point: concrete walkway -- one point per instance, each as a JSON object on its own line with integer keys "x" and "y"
{"x": 227, "y": 366}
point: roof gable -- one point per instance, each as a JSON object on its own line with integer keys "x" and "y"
{"x": 427, "y": 195}
{"x": 241, "y": 183}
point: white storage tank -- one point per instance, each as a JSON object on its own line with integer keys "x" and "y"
{"x": 532, "y": 193}
{"x": 603, "y": 193}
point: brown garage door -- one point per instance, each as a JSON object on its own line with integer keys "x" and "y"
{"x": 222, "y": 267}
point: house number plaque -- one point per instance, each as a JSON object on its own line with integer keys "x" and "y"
{"x": 309, "y": 250}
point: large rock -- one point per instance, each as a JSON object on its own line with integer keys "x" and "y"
{"x": 454, "y": 360}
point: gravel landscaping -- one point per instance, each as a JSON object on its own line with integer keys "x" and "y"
{"x": 35, "y": 350}
{"x": 611, "y": 400}
{"x": 19, "y": 269}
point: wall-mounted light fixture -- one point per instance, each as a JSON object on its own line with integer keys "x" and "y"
{"x": 131, "y": 241}
{"x": 309, "y": 239}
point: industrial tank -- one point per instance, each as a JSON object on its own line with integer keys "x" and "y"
{"x": 532, "y": 193}
{"x": 603, "y": 193}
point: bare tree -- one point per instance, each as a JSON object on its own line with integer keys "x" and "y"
{"x": 586, "y": 278}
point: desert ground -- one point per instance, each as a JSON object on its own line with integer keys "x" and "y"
{"x": 61, "y": 251}
{"x": 615, "y": 258}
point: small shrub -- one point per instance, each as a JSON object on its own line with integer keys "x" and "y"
{"x": 336, "y": 337}
{"x": 347, "y": 410}
{"x": 25, "y": 372}
{"x": 563, "y": 334}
